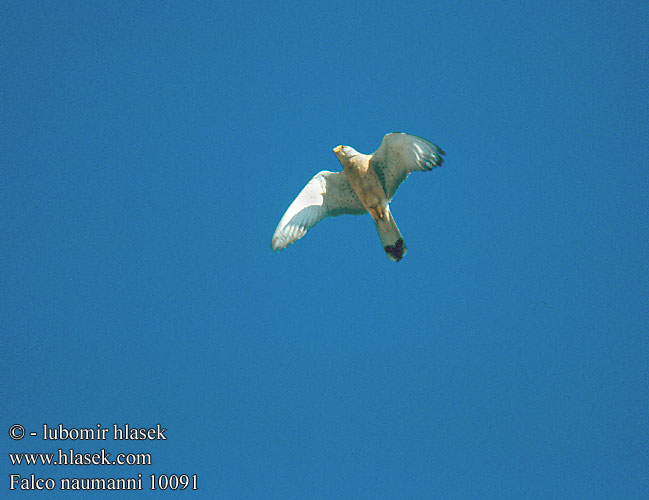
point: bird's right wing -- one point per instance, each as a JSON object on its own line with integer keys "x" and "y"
{"x": 328, "y": 194}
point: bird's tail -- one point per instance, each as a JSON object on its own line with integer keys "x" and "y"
{"x": 390, "y": 236}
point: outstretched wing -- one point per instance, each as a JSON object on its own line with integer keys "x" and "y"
{"x": 400, "y": 154}
{"x": 326, "y": 195}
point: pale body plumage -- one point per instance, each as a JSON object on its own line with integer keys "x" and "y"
{"x": 366, "y": 184}
{"x": 362, "y": 178}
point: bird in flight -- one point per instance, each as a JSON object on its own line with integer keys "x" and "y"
{"x": 367, "y": 183}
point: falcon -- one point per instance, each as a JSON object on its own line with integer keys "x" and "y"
{"x": 367, "y": 183}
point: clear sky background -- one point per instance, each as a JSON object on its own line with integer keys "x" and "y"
{"x": 150, "y": 149}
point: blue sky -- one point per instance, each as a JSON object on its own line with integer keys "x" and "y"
{"x": 148, "y": 153}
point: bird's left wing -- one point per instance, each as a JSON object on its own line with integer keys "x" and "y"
{"x": 326, "y": 195}
{"x": 400, "y": 154}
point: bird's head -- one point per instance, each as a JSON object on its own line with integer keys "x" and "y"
{"x": 345, "y": 151}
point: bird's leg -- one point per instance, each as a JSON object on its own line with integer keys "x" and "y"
{"x": 376, "y": 213}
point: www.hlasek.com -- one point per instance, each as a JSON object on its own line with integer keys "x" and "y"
{"x": 70, "y": 457}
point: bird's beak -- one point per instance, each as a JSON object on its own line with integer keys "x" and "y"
{"x": 337, "y": 148}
